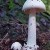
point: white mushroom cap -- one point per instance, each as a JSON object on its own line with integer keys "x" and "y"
{"x": 34, "y": 5}
{"x": 16, "y": 46}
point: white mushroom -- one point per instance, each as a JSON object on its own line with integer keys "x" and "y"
{"x": 16, "y": 46}
{"x": 32, "y": 7}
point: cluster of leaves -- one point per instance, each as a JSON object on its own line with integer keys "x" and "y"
{"x": 11, "y": 32}
{"x": 47, "y": 3}
{"x": 11, "y": 10}
{"x": 44, "y": 21}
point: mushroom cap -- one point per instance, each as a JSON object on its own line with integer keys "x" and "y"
{"x": 16, "y": 45}
{"x": 33, "y": 5}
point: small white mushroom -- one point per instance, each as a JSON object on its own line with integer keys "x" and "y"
{"x": 16, "y": 46}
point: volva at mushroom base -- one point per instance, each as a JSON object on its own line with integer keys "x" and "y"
{"x": 32, "y": 7}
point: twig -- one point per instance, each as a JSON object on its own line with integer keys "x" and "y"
{"x": 4, "y": 38}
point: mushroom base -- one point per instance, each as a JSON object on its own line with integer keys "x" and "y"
{"x": 30, "y": 48}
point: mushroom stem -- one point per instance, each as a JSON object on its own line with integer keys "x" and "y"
{"x": 31, "y": 41}
{"x": 32, "y": 30}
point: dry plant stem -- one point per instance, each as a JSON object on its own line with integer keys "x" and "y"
{"x": 4, "y": 37}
